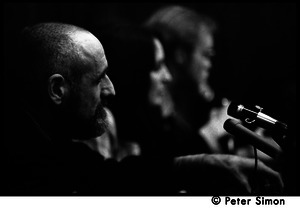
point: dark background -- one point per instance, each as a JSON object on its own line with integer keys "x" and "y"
{"x": 255, "y": 47}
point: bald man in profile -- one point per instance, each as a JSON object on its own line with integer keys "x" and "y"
{"x": 61, "y": 74}
{"x": 57, "y": 97}
{"x": 63, "y": 84}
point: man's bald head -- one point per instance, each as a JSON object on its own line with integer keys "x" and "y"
{"x": 54, "y": 48}
{"x": 63, "y": 79}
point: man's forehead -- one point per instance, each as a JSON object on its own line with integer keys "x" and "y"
{"x": 158, "y": 49}
{"x": 104, "y": 60}
{"x": 104, "y": 63}
{"x": 205, "y": 37}
{"x": 98, "y": 70}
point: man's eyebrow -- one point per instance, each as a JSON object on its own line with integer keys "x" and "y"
{"x": 100, "y": 76}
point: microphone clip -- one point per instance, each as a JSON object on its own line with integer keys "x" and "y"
{"x": 249, "y": 120}
{"x": 252, "y": 117}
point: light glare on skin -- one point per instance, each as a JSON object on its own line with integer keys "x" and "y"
{"x": 87, "y": 41}
{"x": 90, "y": 48}
{"x": 159, "y": 53}
{"x": 91, "y": 53}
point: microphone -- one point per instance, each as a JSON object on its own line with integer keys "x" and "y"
{"x": 235, "y": 128}
{"x": 239, "y": 111}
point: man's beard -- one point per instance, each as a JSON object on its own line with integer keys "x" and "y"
{"x": 99, "y": 120}
{"x": 95, "y": 126}
{"x": 85, "y": 128}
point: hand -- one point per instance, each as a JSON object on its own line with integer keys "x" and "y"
{"x": 226, "y": 174}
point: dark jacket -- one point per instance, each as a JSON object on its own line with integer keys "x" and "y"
{"x": 38, "y": 165}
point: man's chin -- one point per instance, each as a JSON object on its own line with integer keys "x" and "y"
{"x": 85, "y": 129}
{"x": 89, "y": 130}
{"x": 102, "y": 128}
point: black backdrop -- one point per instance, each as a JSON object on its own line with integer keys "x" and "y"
{"x": 255, "y": 46}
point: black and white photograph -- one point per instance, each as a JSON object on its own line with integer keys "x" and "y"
{"x": 149, "y": 99}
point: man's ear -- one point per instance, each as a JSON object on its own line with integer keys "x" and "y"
{"x": 57, "y": 88}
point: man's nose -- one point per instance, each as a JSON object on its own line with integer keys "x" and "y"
{"x": 167, "y": 77}
{"x": 108, "y": 87}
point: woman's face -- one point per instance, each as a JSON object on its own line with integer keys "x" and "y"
{"x": 160, "y": 77}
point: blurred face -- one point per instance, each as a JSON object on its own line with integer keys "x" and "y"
{"x": 86, "y": 102}
{"x": 191, "y": 92}
{"x": 201, "y": 64}
{"x": 159, "y": 78}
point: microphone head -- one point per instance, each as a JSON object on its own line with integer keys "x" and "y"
{"x": 234, "y": 109}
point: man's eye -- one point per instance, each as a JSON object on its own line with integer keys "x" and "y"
{"x": 209, "y": 53}
{"x": 101, "y": 77}
{"x": 158, "y": 66}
